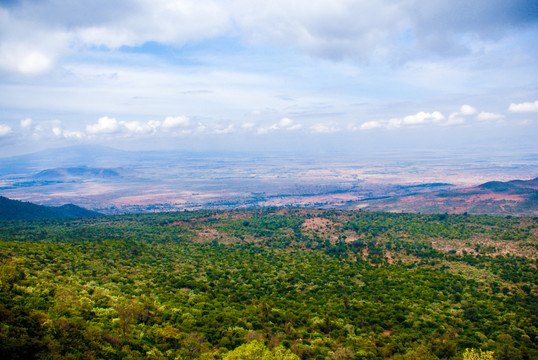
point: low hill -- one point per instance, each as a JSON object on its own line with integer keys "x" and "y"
{"x": 20, "y": 210}
{"x": 516, "y": 197}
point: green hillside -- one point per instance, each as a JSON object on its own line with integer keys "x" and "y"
{"x": 272, "y": 284}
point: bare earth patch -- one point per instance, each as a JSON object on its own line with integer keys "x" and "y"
{"x": 486, "y": 246}
{"x": 317, "y": 223}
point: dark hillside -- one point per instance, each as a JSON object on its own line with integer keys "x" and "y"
{"x": 498, "y": 186}
{"x": 20, "y": 210}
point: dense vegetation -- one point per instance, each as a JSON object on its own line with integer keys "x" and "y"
{"x": 271, "y": 284}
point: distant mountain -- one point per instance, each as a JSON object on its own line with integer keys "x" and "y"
{"x": 95, "y": 156}
{"x": 80, "y": 172}
{"x": 73, "y": 156}
{"x": 516, "y": 197}
{"x": 20, "y": 210}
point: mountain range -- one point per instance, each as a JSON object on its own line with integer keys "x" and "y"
{"x": 79, "y": 172}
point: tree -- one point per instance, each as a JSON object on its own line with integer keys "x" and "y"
{"x": 127, "y": 312}
{"x": 473, "y": 354}
{"x": 257, "y": 350}
{"x": 342, "y": 353}
{"x": 194, "y": 344}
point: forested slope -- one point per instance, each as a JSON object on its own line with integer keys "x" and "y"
{"x": 21, "y": 210}
{"x": 281, "y": 283}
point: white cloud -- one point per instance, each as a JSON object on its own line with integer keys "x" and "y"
{"x": 457, "y": 117}
{"x": 172, "y": 122}
{"x": 324, "y": 128}
{"x": 4, "y": 130}
{"x": 416, "y": 119}
{"x": 39, "y": 130}
{"x": 154, "y": 123}
{"x": 38, "y": 33}
{"x": 34, "y": 62}
{"x": 69, "y": 134}
{"x": 172, "y": 22}
{"x": 111, "y": 126}
{"x": 454, "y": 119}
{"x": 137, "y": 127}
{"x": 283, "y": 124}
{"x": 104, "y": 125}
{"x": 26, "y": 123}
{"x": 286, "y": 124}
{"x": 107, "y": 125}
{"x": 423, "y": 117}
{"x": 394, "y": 123}
{"x": 224, "y": 130}
{"x": 28, "y": 45}
{"x": 370, "y": 125}
{"x": 57, "y": 131}
{"x": 486, "y": 116}
{"x": 24, "y": 59}
{"x": 467, "y": 110}
{"x": 295, "y": 127}
{"x": 524, "y": 107}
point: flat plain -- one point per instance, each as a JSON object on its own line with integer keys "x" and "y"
{"x": 115, "y": 182}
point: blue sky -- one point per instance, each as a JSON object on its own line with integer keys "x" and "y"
{"x": 341, "y": 75}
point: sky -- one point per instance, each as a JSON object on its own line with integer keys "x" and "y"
{"x": 280, "y": 75}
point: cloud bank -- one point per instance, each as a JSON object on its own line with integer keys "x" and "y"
{"x": 36, "y": 34}
{"x": 180, "y": 126}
